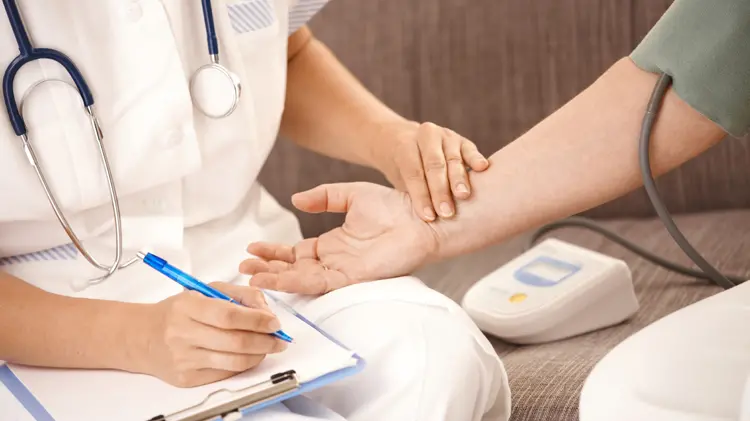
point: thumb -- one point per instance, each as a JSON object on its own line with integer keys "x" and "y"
{"x": 326, "y": 198}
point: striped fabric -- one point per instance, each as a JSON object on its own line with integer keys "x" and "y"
{"x": 246, "y": 16}
{"x": 64, "y": 252}
{"x": 251, "y": 15}
{"x": 303, "y": 12}
{"x": 254, "y": 15}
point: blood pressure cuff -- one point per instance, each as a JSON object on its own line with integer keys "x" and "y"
{"x": 705, "y": 46}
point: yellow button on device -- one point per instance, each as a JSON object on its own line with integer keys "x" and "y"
{"x": 517, "y": 298}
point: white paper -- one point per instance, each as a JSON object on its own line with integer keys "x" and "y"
{"x": 83, "y": 395}
{"x": 10, "y": 408}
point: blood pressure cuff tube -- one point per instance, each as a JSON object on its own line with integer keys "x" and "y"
{"x": 704, "y": 45}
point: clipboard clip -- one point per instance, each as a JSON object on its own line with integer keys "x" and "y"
{"x": 278, "y": 385}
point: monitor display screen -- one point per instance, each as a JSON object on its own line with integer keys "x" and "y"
{"x": 548, "y": 271}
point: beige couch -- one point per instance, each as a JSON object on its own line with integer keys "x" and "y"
{"x": 491, "y": 69}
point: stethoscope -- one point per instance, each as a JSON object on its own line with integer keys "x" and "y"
{"x": 204, "y": 84}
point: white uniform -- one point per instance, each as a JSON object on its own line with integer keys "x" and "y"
{"x": 693, "y": 365}
{"x": 188, "y": 192}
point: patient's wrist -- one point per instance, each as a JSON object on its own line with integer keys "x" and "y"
{"x": 478, "y": 222}
{"x": 449, "y": 240}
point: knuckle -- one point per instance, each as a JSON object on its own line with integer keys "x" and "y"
{"x": 184, "y": 379}
{"x": 187, "y": 302}
{"x": 413, "y": 173}
{"x": 454, "y": 159}
{"x": 172, "y": 335}
{"x": 258, "y": 323}
{"x": 434, "y": 165}
{"x": 427, "y": 125}
{"x": 227, "y": 316}
{"x": 240, "y": 342}
{"x": 256, "y": 296}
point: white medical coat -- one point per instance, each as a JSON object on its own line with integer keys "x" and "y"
{"x": 188, "y": 191}
{"x": 187, "y": 183}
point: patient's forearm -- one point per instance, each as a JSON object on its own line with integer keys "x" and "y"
{"x": 583, "y": 155}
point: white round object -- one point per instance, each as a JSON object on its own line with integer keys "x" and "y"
{"x": 215, "y": 90}
{"x": 553, "y": 291}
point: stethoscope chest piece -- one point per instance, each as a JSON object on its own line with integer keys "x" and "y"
{"x": 215, "y": 90}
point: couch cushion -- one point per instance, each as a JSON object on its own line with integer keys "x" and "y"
{"x": 546, "y": 379}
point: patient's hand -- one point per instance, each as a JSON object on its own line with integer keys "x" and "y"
{"x": 382, "y": 237}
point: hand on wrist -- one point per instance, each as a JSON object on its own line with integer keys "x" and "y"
{"x": 429, "y": 163}
{"x": 386, "y": 139}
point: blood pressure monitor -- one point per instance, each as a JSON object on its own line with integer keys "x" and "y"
{"x": 553, "y": 291}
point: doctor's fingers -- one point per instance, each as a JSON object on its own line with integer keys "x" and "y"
{"x": 430, "y": 139}
{"x": 225, "y": 361}
{"x": 409, "y": 163}
{"x": 229, "y": 316}
{"x": 245, "y": 295}
{"x": 460, "y": 153}
{"x": 470, "y": 154}
{"x": 237, "y": 342}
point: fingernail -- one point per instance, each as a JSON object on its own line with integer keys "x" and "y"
{"x": 274, "y": 325}
{"x": 445, "y": 209}
{"x": 429, "y": 214}
{"x": 461, "y": 188}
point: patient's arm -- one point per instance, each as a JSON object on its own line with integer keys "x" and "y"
{"x": 583, "y": 155}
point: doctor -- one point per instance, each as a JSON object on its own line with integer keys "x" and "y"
{"x": 693, "y": 365}
{"x": 186, "y": 188}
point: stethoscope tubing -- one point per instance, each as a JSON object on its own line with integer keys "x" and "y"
{"x": 27, "y": 54}
{"x": 208, "y": 20}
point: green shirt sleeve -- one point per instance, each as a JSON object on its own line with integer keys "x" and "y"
{"x": 705, "y": 46}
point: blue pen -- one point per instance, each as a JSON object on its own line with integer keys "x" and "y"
{"x": 193, "y": 284}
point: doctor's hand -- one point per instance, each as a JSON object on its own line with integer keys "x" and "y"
{"x": 429, "y": 162}
{"x": 195, "y": 340}
{"x": 381, "y": 238}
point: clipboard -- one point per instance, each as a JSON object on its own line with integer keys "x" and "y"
{"x": 241, "y": 402}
